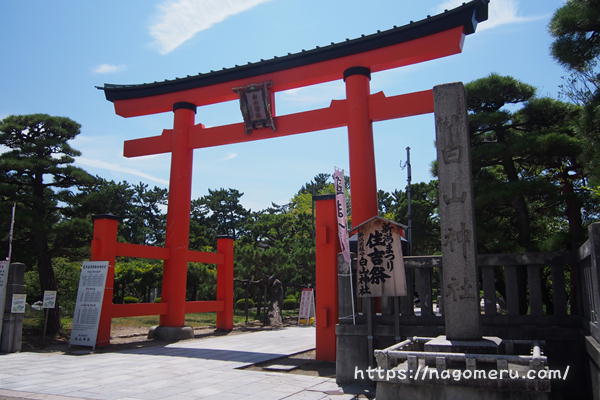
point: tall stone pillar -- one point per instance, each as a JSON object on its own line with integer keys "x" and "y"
{"x": 456, "y": 210}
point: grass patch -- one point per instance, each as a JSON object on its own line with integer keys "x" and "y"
{"x": 195, "y": 319}
{"x": 34, "y": 320}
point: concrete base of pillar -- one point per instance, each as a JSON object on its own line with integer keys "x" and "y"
{"x": 171, "y": 333}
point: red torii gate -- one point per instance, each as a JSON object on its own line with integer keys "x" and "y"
{"x": 354, "y": 61}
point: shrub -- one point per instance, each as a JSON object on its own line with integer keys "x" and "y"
{"x": 290, "y": 303}
{"x": 241, "y": 304}
{"x": 130, "y": 299}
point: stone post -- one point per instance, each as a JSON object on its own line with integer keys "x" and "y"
{"x": 456, "y": 210}
{"x": 12, "y": 326}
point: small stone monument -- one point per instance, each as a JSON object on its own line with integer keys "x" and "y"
{"x": 276, "y": 302}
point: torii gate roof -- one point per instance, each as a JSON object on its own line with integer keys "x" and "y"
{"x": 436, "y": 36}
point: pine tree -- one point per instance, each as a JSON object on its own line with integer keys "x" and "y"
{"x": 38, "y": 174}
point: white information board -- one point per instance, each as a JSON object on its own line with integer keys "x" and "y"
{"x": 3, "y": 284}
{"x": 89, "y": 303}
{"x": 307, "y": 305}
{"x": 49, "y": 299}
{"x": 18, "y": 303}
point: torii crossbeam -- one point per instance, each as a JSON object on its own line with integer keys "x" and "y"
{"x": 353, "y": 60}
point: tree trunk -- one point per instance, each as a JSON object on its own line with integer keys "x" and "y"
{"x": 39, "y": 232}
{"x": 573, "y": 212}
{"x": 576, "y": 231}
{"x": 524, "y": 227}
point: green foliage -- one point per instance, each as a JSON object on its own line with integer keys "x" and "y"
{"x": 201, "y": 281}
{"x": 37, "y": 173}
{"x": 137, "y": 278}
{"x": 241, "y": 304}
{"x": 139, "y": 205}
{"x": 218, "y": 213}
{"x": 526, "y": 164}
{"x": 290, "y": 303}
{"x": 424, "y": 203}
{"x": 67, "y": 276}
{"x": 576, "y": 29}
{"x": 130, "y": 300}
{"x": 32, "y": 286}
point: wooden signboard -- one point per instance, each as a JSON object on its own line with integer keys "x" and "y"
{"x": 380, "y": 264}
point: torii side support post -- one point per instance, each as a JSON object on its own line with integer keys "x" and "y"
{"x": 327, "y": 248}
{"x": 225, "y": 283}
{"x": 363, "y": 184}
{"x": 104, "y": 248}
{"x": 178, "y": 217}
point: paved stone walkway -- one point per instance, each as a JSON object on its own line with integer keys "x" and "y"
{"x": 191, "y": 369}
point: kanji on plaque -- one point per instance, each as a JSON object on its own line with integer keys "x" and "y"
{"x": 380, "y": 264}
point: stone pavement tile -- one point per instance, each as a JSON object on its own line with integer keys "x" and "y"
{"x": 306, "y": 395}
{"x": 270, "y": 395}
{"x": 256, "y": 388}
{"x": 89, "y": 395}
{"x": 225, "y": 396}
{"x": 328, "y": 386}
{"x": 173, "y": 371}
{"x": 24, "y": 387}
{"x": 167, "y": 393}
{"x": 128, "y": 398}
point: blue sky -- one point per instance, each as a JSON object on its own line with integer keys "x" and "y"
{"x": 55, "y": 52}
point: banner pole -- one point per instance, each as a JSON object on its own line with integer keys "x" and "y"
{"x": 10, "y": 232}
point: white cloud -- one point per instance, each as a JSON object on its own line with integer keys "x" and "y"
{"x": 118, "y": 168}
{"x": 107, "y": 68}
{"x": 180, "y": 20}
{"x": 317, "y": 94}
{"x": 229, "y": 156}
{"x": 501, "y": 12}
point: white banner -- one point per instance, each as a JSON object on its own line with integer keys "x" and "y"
{"x": 380, "y": 263}
{"x": 49, "y": 299}
{"x": 307, "y": 304}
{"x": 3, "y": 284}
{"x": 340, "y": 207}
{"x": 89, "y": 303}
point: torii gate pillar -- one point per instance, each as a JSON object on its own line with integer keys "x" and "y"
{"x": 178, "y": 216}
{"x": 363, "y": 185}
